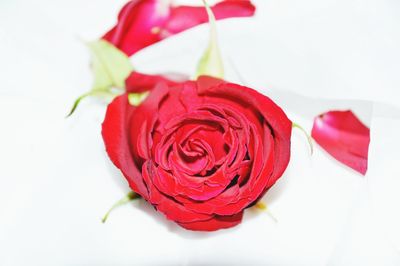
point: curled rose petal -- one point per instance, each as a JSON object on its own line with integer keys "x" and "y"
{"x": 114, "y": 131}
{"x": 144, "y": 22}
{"x": 344, "y": 137}
{"x": 217, "y": 222}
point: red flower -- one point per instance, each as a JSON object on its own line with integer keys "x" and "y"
{"x": 200, "y": 151}
{"x": 344, "y": 137}
{"x": 144, "y": 22}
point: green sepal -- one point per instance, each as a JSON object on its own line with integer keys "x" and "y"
{"x": 110, "y": 68}
{"x": 137, "y": 98}
{"x": 211, "y": 62}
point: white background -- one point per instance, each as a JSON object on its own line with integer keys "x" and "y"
{"x": 310, "y": 56}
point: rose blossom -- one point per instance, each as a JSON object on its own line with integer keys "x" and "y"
{"x": 199, "y": 151}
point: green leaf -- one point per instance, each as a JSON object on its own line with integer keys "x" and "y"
{"x": 295, "y": 125}
{"x": 137, "y": 98}
{"x": 110, "y": 68}
{"x": 129, "y": 197}
{"x": 211, "y": 63}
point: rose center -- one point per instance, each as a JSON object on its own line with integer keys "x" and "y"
{"x": 199, "y": 148}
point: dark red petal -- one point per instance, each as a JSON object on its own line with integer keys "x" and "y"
{"x": 215, "y": 223}
{"x": 143, "y": 120}
{"x": 171, "y": 186}
{"x": 236, "y": 198}
{"x": 344, "y": 137}
{"x": 138, "y": 82}
{"x": 185, "y": 17}
{"x": 174, "y": 107}
{"x": 115, "y": 136}
{"x": 172, "y": 209}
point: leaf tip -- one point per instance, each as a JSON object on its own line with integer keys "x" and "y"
{"x": 211, "y": 62}
{"x": 105, "y": 217}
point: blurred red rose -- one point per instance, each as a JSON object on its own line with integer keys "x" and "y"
{"x": 144, "y": 22}
{"x": 199, "y": 151}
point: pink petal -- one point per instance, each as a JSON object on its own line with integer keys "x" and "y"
{"x": 344, "y": 137}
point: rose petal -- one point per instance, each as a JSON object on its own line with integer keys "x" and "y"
{"x": 237, "y": 198}
{"x": 137, "y": 25}
{"x": 138, "y": 82}
{"x": 145, "y": 22}
{"x": 344, "y": 137}
{"x": 215, "y": 223}
{"x": 185, "y": 17}
{"x": 114, "y": 131}
{"x": 142, "y": 122}
{"x": 168, "y": 184}
{"x": 172, "y": 209}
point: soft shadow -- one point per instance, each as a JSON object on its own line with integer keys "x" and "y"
{"x": 171, "y": 226}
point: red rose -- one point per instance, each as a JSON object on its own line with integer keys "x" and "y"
{"x": 200, "y": 151}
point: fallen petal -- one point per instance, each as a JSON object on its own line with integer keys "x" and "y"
{"x": 344, "y": 137}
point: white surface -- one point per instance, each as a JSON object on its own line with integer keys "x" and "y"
{"x": 56, "y": 180}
